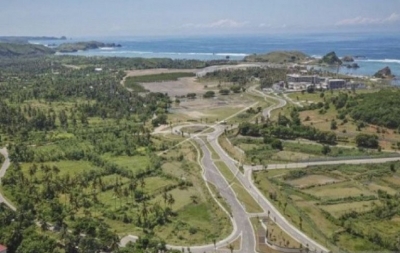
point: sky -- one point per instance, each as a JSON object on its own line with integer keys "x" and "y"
{"x": 85, "y": 18}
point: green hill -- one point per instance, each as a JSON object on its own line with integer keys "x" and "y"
{"x": 278, "y": 57}
{"x": 11, "y": 50}
{"x": 82, "y": 46}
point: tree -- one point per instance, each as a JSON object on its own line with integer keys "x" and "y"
{"x": 191, "y": 95}
{"x": 277, "y": 144}
{"x": 235, "y": 89}
{"x": 325, "y": 149}
{"x": 209, "y": 94}
{"x": 367, "y": 141}
{"x": 333, "y": 125}
{"x": 224, "y": 92}
{"x": 231, "y": 247}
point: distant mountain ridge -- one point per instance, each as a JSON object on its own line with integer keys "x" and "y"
{"x": 26, "y": 49}
{"x": 26, "y": 39}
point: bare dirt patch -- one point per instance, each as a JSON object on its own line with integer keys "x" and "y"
{"x": 145, "y": 72}
{"x": 176, "y": 88}
{"x": 209, "y": 110}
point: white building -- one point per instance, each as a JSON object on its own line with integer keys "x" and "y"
{"x": 334, "y": 84}
{"x": 296, "y": 78}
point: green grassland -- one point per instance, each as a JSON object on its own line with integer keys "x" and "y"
{"x": 338, "y": 205}
{"x": 256, "y": 151}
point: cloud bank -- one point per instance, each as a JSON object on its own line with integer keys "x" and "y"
{"x": 394, "y": 17}
{"x": 223, "y": 23}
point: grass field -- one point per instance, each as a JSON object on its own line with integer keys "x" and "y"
{"x": 293, "y": 150}
{"x": 324, "y": 201}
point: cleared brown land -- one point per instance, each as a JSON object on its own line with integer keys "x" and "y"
{"x": 176, "y": 88}
{"x": 144, "y": 72}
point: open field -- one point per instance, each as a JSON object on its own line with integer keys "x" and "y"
{"x": 181, "y": 87}
{"x": 257, "y": 152}
{"x": 324, "y": 201}
{"x": 209, "y": 110}
{"x": 312, "y": 180}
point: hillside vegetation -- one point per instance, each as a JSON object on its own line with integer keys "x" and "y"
{"x": 381, "y": 108}
{"x": 277, "y": 57}
{"x": 10, "y": 50}
{"x": 74, "y": 47}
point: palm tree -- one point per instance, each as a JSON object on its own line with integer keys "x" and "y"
{"x": 165, "y": 196}
{"x": 32, "y": 170}
{"x": 114, "y": 242}
{"x": 171, "y": 199}
{"x": 231, "y": 248}
{"x": 142, "y": 183}
{"x": 55, "y": 170}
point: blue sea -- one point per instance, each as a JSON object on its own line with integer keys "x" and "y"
{"x": 376, "y": 51}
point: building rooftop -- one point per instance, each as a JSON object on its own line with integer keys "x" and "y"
{"x": 336, "y": 80}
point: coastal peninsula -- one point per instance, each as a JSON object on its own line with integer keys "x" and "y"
{"x": 83, "y": 46}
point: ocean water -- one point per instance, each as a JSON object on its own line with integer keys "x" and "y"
{"x": 377, "y": 50}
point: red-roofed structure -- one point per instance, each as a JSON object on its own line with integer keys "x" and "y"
{"x": 3, "y": 249}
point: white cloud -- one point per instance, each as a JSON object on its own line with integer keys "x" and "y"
{"x": 223, "y": 23}
{"x": 394, "y": 17}
{"x": 262, "y": 25}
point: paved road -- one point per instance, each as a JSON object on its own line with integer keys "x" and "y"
{"x": 266, "y": 205}
{"x": 3, "y": 170}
